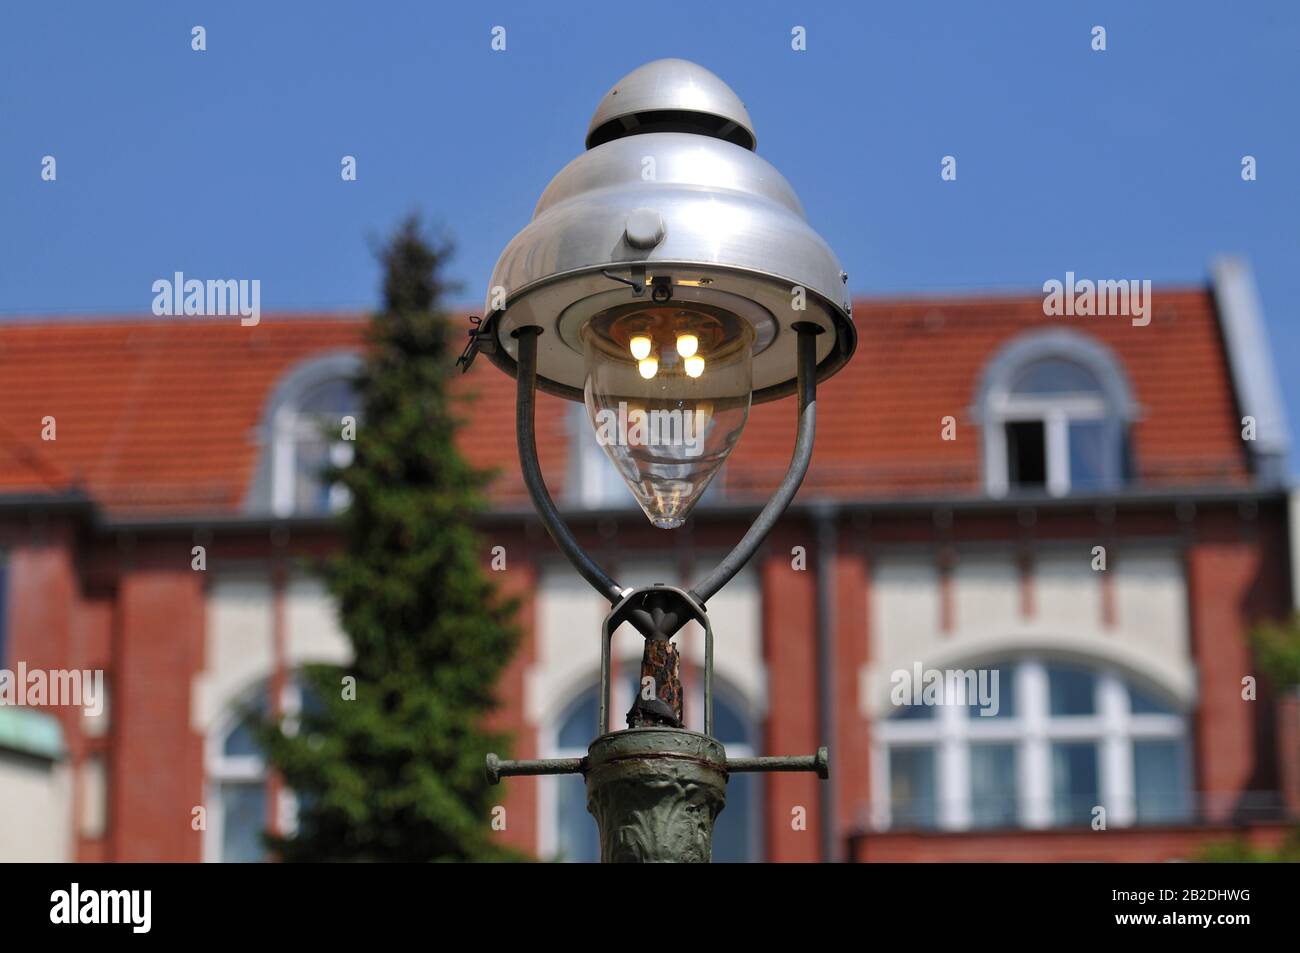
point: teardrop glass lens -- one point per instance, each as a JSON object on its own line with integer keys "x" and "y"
{"x": 668, "y": 420}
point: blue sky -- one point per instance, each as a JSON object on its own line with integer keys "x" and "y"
{"x": 225, "y": 163}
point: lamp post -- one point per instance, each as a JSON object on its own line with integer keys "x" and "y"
{"x": 668, "y": 280}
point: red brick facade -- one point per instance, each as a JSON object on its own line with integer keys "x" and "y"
{"x": 98, "y": 528}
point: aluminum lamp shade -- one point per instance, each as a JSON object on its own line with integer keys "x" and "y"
{"x": 666, "y": 196}
{"x": 667, "y": 269}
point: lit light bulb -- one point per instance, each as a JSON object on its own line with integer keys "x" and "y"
{"x": 666, "y": 425}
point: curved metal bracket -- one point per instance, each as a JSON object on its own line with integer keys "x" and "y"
{"x": 526, "y": 435}
{"x": 794, "y": 474}
{"x": 658, "y": 612}
{"x": 603, "y": 582}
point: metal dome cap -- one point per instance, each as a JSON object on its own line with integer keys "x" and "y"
{"x": 671, "y": 95}
{"x": 669, "y": 203}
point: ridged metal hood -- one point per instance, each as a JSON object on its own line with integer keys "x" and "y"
{"x": 669, "y": 193}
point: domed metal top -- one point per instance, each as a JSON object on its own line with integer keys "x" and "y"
{"x": 671, "y": 96}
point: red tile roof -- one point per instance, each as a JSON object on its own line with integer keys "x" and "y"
{"x": 161, "y": 416}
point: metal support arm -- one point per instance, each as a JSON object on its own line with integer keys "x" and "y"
{"x": 803, "y": 447}
{"x": 603, "y": 582}
{"x": 525, "y": 410}
{"x": 818, "y": 764}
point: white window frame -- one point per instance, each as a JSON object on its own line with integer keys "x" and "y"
{"x": 594, "y": 482}
{"x": 221, "y": 769}
{"x": 1056, "y": 413}
{"x": 1033, "y": 730}
{"x": 282, "y": 425}
{"x": 995, "y": 406}
{"x": 290, "y": 427}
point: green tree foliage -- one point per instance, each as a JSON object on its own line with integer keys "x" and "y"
{"x": 393, "y": 769}
{"x": 1277, "y": 647}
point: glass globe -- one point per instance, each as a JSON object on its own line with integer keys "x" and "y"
{"x": 668, "y": 391}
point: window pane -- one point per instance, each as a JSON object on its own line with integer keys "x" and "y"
{"x": 735, "y": 833}
{"x": 1091, "y": 462}
{"x": 1142, "y": 703}
{"x": 1072, "y": 690}
{"x": 594, "y": 482}
{"x": 310, "y": 458}
{"x": 912, "y": 791}
{"x": 1026, "y": 454}
{"x": 729, "y": 725}
{"x": 993, "y": 786}
{"x": 578, "y": 726}
{"x": 912, "y": 713}
{"x": 1158, "y": 782}
{"x": 1054, "y": 375}
{"x": 1001, "y": 694}
{"x": 240, "y": 740}
{"x": 1075, "y": 787}
{"x": 334, "y": 399}
{"x": 578, "y": 841}
{"x": 734, "y": 830}
{"x": 243, "y": 819}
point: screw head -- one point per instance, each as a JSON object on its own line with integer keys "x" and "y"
{"x": 645, "y": 228}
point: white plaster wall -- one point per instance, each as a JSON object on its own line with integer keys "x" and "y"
{"x": 35, "y": 795}
{"x": 1150, "y": 637}
{"x": 1067, "y": 592}
{"x": 567, "y": 641}
{"x": 905, "y": 605}
{"x": 93, "y": 806}
{"x": 313, "y": 633}
{"x": 1151, "y": 601}
{"x": 986, "y": 591}
{"x": 238, "y": 650}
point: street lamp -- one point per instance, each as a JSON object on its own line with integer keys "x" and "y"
{"x": 668, "y": 280}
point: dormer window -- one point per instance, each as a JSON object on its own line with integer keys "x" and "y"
{"x": 594, "y": 483}
{"x": 311, "y": 435}
{"x": 311, "y": 425}
{"x": 1056, "y": 411}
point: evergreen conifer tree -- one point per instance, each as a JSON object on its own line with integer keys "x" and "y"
{"x": 391, "y": 767}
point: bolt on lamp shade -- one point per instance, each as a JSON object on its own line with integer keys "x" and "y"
{"x": 666, "y": 268}
{"x": 667, "y": 391}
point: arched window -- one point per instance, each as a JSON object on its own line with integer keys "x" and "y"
{"x": 593, "y": 481}
{"x": 1055, "y": 409}
{"x": 238, "y": 799}
{"x": 1064, "y": 739}
{"x": 311, "y": 435}
{"x": 310, "y": 424}
{"x": 736, "y": 832}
